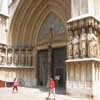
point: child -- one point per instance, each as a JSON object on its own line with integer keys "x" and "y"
{"x": 52, "y": 88}
{"x": 15, "y": 85}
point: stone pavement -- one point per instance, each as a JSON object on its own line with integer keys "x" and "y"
{"x": 24, "y": 93}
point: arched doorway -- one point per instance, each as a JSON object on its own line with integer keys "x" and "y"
{"x": 27, "y": 23}
{"x": 52, "y": 32}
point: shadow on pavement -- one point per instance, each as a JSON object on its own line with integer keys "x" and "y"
{"x": 60, "y": 91}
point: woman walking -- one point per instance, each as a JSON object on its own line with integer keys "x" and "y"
{"x": 15, "y": 85}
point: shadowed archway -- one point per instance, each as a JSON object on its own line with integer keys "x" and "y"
{"x": 29, "y": 17}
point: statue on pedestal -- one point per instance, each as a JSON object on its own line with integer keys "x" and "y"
{"x": 92, "y": 43}
{"x": 83, "y": 43}
{"x": 69, "y": 46}
{"x": 69, "y": 50}
{"x": 75, "y": 44}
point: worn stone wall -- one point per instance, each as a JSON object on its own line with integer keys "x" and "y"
{"x": 96, "y": 80}
{"x": 83, "y": 51}
{"x": 24, "y": 76}
{"x": 97, "y": 8}
{"x": 79, "y": 79}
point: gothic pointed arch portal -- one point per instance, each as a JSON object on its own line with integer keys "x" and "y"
{"x": 51, "y": 60}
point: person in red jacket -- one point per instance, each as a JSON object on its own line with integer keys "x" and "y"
{"x": 52, "y": 88}
{"x": 15, "y": 85}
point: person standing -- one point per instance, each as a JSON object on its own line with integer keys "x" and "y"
{"x": 52, "y": 88}
{"x": 15, "y": 85}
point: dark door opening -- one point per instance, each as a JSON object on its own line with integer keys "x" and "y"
{"x": 42, "y": 67}
{"x": 58, "y": 66}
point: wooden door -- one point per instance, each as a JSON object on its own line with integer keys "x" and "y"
{"x": 58, "y": 67}
{"x": 43, "y": 67}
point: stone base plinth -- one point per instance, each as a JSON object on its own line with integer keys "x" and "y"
{"x": 79, "y": 89}
{"x": 83, "y": 78}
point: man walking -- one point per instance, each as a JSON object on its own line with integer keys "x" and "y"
{"x": 52, "y": 88}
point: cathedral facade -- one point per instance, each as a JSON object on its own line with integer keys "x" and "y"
{"x": 40, "y": 39}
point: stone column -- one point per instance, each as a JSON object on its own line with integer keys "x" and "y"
{"x": 49, "y": 63}
{"x": 34, "y": 66}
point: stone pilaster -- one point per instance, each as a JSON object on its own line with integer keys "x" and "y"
{"x": 34, "y": 65}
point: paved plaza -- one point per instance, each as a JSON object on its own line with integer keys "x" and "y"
{"x": 39, "y": 93}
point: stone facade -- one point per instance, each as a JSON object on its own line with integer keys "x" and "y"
{"x": 40, "y": 25}
{"x": 18, "y": 56}
{"x": 83, "y": 65}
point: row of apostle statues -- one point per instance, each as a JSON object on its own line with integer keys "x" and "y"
{"x": 82, "y": 43}
{"x": 17, "y": 58}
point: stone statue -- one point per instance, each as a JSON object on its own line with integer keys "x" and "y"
{"x": 3, "y": 60}
{"x": 95, "y": 45}
{"x": 69, "y": 46}
{"x": 0, "y": 56}
{"x": 75, "y": 44}
{"x": 92, "y": 43}
{"x": 15, "y": 60}
{"x": 83, "y": 43}
{"x": 0, "y": 59}
{"x": 69, "y": 50}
